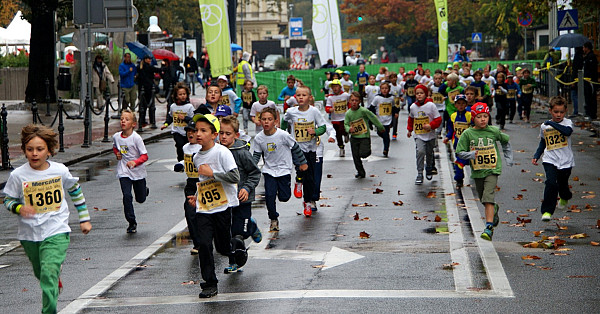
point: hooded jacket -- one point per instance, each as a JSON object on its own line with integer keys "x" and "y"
{"x": 249, "y": 171}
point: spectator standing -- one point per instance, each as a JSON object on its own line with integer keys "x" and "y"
{"x": 127, "y": 73}
{"x": 191, "y": 69}
{"x": 590, "y": 70}
{"x": 204, "y": 64}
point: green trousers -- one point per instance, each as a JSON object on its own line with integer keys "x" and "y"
{"x": 46, "y": 257}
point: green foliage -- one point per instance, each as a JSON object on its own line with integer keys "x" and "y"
{"x": 14, "y": 61}
{"x": 536, "y": 54}
{"x": 282, "y": 64}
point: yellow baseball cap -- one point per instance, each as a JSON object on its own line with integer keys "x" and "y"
{"x": 335, "y": 82}
{"x": 208, "y": 118}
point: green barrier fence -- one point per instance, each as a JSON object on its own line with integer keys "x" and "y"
{"x": 315, "y": 79}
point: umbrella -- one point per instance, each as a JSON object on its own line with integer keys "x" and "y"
{"x": 235, "y": 47}
{"x": 570, "y": 40}
{"x": 140, "y": 50}
{"x": 164, "y": 54}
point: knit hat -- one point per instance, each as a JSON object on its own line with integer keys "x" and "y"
{"x": 478, "y": 108}
{"x": 423, "y": 87}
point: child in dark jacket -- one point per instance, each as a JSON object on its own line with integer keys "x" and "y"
{"x": 242, "y": 223}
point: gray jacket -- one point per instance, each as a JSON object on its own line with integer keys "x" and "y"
{"x": 249, "y": 171}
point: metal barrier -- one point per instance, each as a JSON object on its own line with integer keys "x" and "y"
{"x": 5, "y": 156}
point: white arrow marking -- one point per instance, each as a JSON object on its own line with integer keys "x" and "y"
{"x": 334, "y": 257}
{"x": 332, "y": 155}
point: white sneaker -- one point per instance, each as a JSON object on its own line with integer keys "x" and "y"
{"x": 342, "y": 152}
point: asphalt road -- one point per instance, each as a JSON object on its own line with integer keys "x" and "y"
{"x": 322, "y": 264}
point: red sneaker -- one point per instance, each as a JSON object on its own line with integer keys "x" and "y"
{"x": 60, "y": 286}
{"x": 298, "y": 189}
{"x": 307, "y": 209}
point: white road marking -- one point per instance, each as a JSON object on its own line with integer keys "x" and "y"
{"x": 333, "y": 258}
{"x": 5, "y": 248}
{"x": 291, "y": 294}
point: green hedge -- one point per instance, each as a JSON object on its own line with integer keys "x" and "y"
{"x": 315, "y": 79}
{"x": 14, "y": 61}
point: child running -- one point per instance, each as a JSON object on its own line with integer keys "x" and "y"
{"x": 258, "y": 106}
{"x": 347, "y": 84}
{"x": 216, "y": 195}
{"x": 131, "y": 153}
{"x": 384, "y": 108}
{"x": 180, "y": 112}
{"x": 513, "y": 92}
{"x": 187, "y": 165}
{"x": 242, "y": 223}
{"x": 371, "y": 91}
{"x": 35, "y": 192}
{"x": 248, "y": 98}
{"x": 459, "y": 122}
{"x": 500, "y": 99}
{"x": 423, "y": 119}
{"x": 527, "y": 84}
{"x": 478, "y": 144}
{"x": 307, "y": 124}
{"x": 356, "y": 123}
{"x": 337, "y": 105}
{"x": 213, "y": 98}
{"x": 277, "y": 147}
{"x": 555, "y": 145}
{"x": 228, "y": 95}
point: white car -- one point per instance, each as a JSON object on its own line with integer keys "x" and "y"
{"x": 269, "y": 63}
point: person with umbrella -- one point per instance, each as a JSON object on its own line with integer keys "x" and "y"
{"x": 145, "y": 81}
{"x": 191, "y": 69}
{"x": 590, "y": 70}
{"x": 127, "y": 73}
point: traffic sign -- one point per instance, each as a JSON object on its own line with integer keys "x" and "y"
{"x": 296, "y": 27}
{"x": 525, "y": 19}
{"x": 476, "y": 37}
{"x": 567, "y": 20}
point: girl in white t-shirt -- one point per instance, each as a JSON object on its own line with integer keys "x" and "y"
{"x": 180, "y": 112}
{"x": 36, "y": 193}
{"x": 131, "y": 153}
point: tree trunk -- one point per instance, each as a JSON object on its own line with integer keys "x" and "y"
{"x": 42, "y": 57}
{"x": 515, "y": 40}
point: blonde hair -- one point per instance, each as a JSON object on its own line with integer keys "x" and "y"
{"x": 32, "y": 131}
{"x": 452, "y": 77}
{"x": 134, "y": 118}
{"x": 231, "y": 120}
{"x": 261, "y": 87}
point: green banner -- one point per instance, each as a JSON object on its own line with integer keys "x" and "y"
{"x": 441, "y": 9}
{"x": 215, "y": 24}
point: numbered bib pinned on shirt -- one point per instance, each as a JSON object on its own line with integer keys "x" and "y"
{"x": 362, "y": 80}
{"x": 360, "y": 127}
{"x": 247, "y": 97}
{"x": 410, "y": 91}
{"x": 340, "y": 106}
{"x": 527, "y": 89}
{"x": 459, "y": 128}
{"x": 452, "y": 95}
{"x": 419, "y": 123}
{"x": 437, "y": 98}
{"x": 347, "y": 88}
{"x": 211, "y": 195}
{"x": 512, "y": 93}
{"x": 190, "y": 168}
{"x": 301, "y": 131}
{"x": 385, "y": 109}
{"x": 177, "y": 121}
{"x": 486, "y": 158}
{"x": 554, "y": 139}
{"x": 44, "y": 195}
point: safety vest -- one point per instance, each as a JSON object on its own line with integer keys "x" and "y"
{"x": 240, "y": 73}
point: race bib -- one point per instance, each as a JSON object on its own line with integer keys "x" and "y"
{"x": 247, "y": 97}
{"x": 453, "y": 94}
{"x": 459, "y": 128}
{"x": 499, "y": 91}
{"x": 554, "y": 140}
{"x": 486, "y": 158}
{"x": 44, "y": 195}
{"x": 418, "y": 124}
{"x": 224, "y": 100}
{"x": 527, "y": 89}
{"x": 360, "y": 127}
{"x": 437, "y": 98}
{"x": 511, "y": 94}
{"x": 301, "y": 131}
{"x": 480, "y": 91}
{"x": 340, "y": 106}
{"x": 362, "y": 80}
{"x": 410, "y": 91}
{"x": 211, "y": 195}
{"x": 489, "y": 83}
{"x": 346, "y": 88}
{"x": 468, "y": 82}
{"x": 385, "y": 109}
{"x": 190, "y": 168}
{"x": 179, "y": 122}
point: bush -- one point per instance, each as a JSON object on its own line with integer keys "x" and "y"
{"x": 15, "y": 61}
{"x": 536, "y": 54}
{"x": 282, "y": 64}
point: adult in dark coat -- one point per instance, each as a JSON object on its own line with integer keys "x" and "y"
{"x": 145, "y": 81}
{"x": 590, "y": 70}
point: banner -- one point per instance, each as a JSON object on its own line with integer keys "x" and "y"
{"x": 215, "y": 24}
{"x": 441, "y": 9}
{"x": 327, "y": 32}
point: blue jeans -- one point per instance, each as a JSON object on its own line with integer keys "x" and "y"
{"x": 276, "y": 187}
{"x": 557, "y": 183}
{"x": 139, "y": 187}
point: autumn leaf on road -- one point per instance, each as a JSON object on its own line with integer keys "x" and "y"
{"x": 319, "y": 266}
{"x": 191, "y": 282}
{"x": 519, "y": 197}
{"x": 589, "y": 196}
{"x": 539, "y": 174}
{"x": 530, "y": 257}
{"x": 414, "y": 211}
{"x": 497, "y": 188}
{"x": 329, "y": 176}
{"x": 437, "y": 218}
{"x": 390, "y": 172}
{"x": 398, "y": 203}
{"x": 537, "y": 180}
{"x": 559, "y": 242}
{"x": 525, "y": 171}
{"x": 524, "y": 215}
{"x": 324, "y": 205}
{"x": 449, "y": 266}
{"x": 373, "y": 176}
{"x": 431, "y": 194}
{"x": 575, "y": 178}
{"x": 362, "y": 205}
{"x": 561, "y": 227}
{"x": 537, "y": 233}
{"x": 417, "y": 218}
{"x": 532, "y": 209}
{"x": 523, "y": 220}
{"x": 377, "y": 191}
{"x": 396, "y": 218}
{"x": 595, "y": 243}
{"x": 356, "y": 216}
{"x": 364, "y": 235}
{"x": 578, "y": 236}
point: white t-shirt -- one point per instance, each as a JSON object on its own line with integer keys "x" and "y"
{"x": 292, "y": 101}
{"x": 339, "y": 103}
{"x": 383, "y": 108}
{"x": 396, "y": 90}
{"x": 300, "y": 121}
{"x": 467, "y": 79}
{"x": 379, "y": 77}
{"x": 189, "y": 150}
{"x": 556, "y": 152}
{"x": 257, "y": 108}
{"x": 174, "y": 111}
{"x": 46, "y": 190}
{"x": 131, "y": 148}
{"x": 321, "y": 143}
{"x": 347, "y": 86}
{"x": 429, "y": 112}
{"x": 371, "y": 91}
{"x": 220, "y": 160}
{"x": 436, "y": 95}
{"x": 490, "y": 81}
{"x": 426, "y": 79}
{"x": 276, "y": 150}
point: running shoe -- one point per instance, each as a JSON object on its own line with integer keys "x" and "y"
{"x": 419, "y": 179}
{"x": 208, "y": 292}
{"x": 487, "y": 234}
{"x": 307, "y": 209}
{"x": 546, "y": 217}
{"x": 274, "y": 225}
{"x": 496, "y": 217}
{"x": 232, "y": 268}
{"x": 298, "y": 189}
{"x": 562, "y": 204}
{"x": 257, "y": 235}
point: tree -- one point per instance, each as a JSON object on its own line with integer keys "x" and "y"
{"x": 8, "y": 9}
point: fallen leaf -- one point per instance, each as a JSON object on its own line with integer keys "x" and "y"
{"x": 589, "y": 196}
{"x": 373, "y": 176}
{"x": 559, "y": 242}
{"x": 562, "y": 227}
{"x": 578, "y": 236}
{"x": 539, "y": 174}
{"x": 595, "y": 243}
{"x": 520, "y": 151}
{"x": 329, "y": 176}
{"x": 399, "y": 193}
{"x": 575, "y": 178}
{"x": 559, "y": 254}
{"x": 417, "y": 218}
{"x": 537, "y": 179}
{"x": 378, "y": 184}
{"x": 339, "y": 235}
{"x": 564, "y": 218}
{"x": 529, "y": 264}
{"x": 449, "y": 266}
{"x": 366, "y": 218}
{"x": 524, "y": 190}
{"x": 364, "y": 235}
{"x": 377, "y": 191}
{"x": 509, "y": 211}
{"x": 581, "y": 276}
{"x": 505, "y": 222}
{"x": 519, "y": 197}
{"x": 523, "y": 170}
{"x": 537, "y": 233}
{"x": 390, "y": 172}
{"x": 437, "y": 218}
{"x": 324, "y": 205}
{"x": 356, "y": 216}
{"x": 576, "y": 210}
{"x": 544, "y": 268}
{"x": 497, "y": 188}
{"x": 86, "y": 259}
{"x": 532, "y": 209}
{"x": 414, "y": 211}
{"x": 588, "y": 192}
{"x": 524, "y": 215}
{"x": 523, "y": 220}
{"x": 398, "y": 203}
{"x": 528, "y": 257}
{"x": 564, "y": 249}
{"x": 396, "y": 218}
{"x": 24, "y": 290}
{"x": 431, "y": 194}
{"x": 191, "y": 282}
{"x": 319, "y": 266}
{"x": 362, "y": 205}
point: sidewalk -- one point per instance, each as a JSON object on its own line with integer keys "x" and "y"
{"x": 19, "y": 116}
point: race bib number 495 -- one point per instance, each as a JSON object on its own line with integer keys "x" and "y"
{"x": 211, "y": 195}
{"x": 44, "y": 195}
